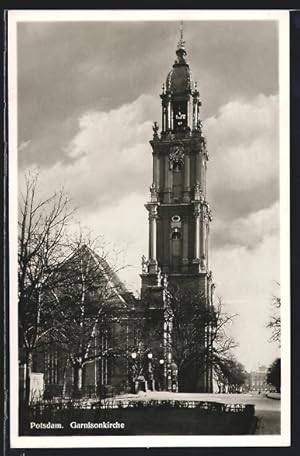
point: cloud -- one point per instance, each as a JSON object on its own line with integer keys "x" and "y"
{"x": 66, "y": 68}
{"x": 109, "y": 156}
{"x": 243, "y": 145}
{"x": 246, "y": 280}
{"x": 246, "y": 231}
{"x": 125, "y": 226}
{"x": 23, "y": 145}
{"x": 240, "y": 272}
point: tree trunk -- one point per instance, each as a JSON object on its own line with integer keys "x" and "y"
{"x": 77, "y": 386}
{"x": 28, "y": 370}
{"x": 64, "y": 389}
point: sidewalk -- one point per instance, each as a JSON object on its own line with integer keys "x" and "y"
{"x": 274, "y": 396}
{"x": 268, "y": 422}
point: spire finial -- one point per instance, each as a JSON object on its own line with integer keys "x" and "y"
{"x": 181, "y": 41}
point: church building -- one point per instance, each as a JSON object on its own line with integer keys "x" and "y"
{"x": 124, "y": 343}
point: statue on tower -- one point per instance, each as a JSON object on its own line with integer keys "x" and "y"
{"x": 199, "y": 125}
{"x": 159, "y": 277}
{"x": 165, "y": 281}
{"x": 155, "y": 129}
{"x": 144, "y": 264}
{"x": 198, "y": 195}
{"x": 154, "y": 192}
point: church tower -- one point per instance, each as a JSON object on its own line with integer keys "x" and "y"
{"x": 179, "y": 214}
{"x": 178, "y": 211}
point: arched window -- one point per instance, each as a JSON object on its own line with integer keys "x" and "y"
{"x": 176, "y": 249}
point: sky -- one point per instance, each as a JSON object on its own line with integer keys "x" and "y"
{"x": 88, "y": 94}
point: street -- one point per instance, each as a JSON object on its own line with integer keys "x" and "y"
{"x": 267, "y": 410}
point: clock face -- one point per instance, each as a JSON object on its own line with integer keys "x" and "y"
{"x": 177, "y": 153}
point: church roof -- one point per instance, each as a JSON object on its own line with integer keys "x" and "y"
{"x": 179, "y": 79}
{"x": 103, "y": 272}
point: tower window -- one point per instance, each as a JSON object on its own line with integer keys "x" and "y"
{"x": 175, "y": 235}
{"x": 180, "y": 115}
{"x": 177, "y": 166}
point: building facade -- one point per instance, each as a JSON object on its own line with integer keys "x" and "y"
{"x": 86, "y": 352}
{"x": 257, "y": 380}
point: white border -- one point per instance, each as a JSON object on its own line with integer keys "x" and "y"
{"x": 282, "y": 17}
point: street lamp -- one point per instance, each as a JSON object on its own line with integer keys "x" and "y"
{"x": 133, "y": 372}
{"x": 150, "y": 373}
{"x": 162, "y": 379}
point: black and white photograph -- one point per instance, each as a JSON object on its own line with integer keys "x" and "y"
{"x": 149, "y": 228}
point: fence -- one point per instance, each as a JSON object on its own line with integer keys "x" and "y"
{"x": 37, "y": 409}
{"x": 158, "y": 417}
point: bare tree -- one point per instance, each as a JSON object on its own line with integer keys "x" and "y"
{"x": 42, "y": 225}
{"x": 229, "y": 373}
{"x": 198, "y": 340}
{"x": 274, "y": 374}
{"x": 90, "y": 306}
{"x": 275, "y": 320}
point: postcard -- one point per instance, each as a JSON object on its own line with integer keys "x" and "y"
{"x": 149, "y": 228}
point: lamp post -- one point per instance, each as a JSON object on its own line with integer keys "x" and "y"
{"x": 150, "y": 371}
{"x": 133, "y": 372}
{"x": 168, "y": 372}
{"x": 162, "y": 377}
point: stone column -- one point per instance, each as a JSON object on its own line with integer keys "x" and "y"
{"x": 197, "y": 233}
{"x": 195, "y": 117}
{"x": 202, "y": 233}
{"x": 198, "y": 169}
{"x": 152, "y": 222}
{"x": 169, "y": 115}
{"x": 185, "y": 241}
{"x": 163, "y": 118}
{"x": 187, "y": 179}
{"x": 156, "y": 170}
{"x": 198, "y": 110}
{"x": 187, "y": 113}
{"x": 152, "y": 239}
{"x": 206, "y": 239}
{"x": 204, "y": 165}
{"x": 172, "y": 119}
{"x": 168, "y": 180}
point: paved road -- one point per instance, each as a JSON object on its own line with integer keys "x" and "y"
{"x": 260, "y": 401}
{"x": 267, "y": 410}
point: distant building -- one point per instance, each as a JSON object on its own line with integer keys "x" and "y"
{"x": 257, "y": 380}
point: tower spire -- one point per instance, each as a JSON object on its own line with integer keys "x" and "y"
{"x": 181, "y": 41}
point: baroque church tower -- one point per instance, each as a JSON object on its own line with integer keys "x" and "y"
{"x": 179, "y": 214}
